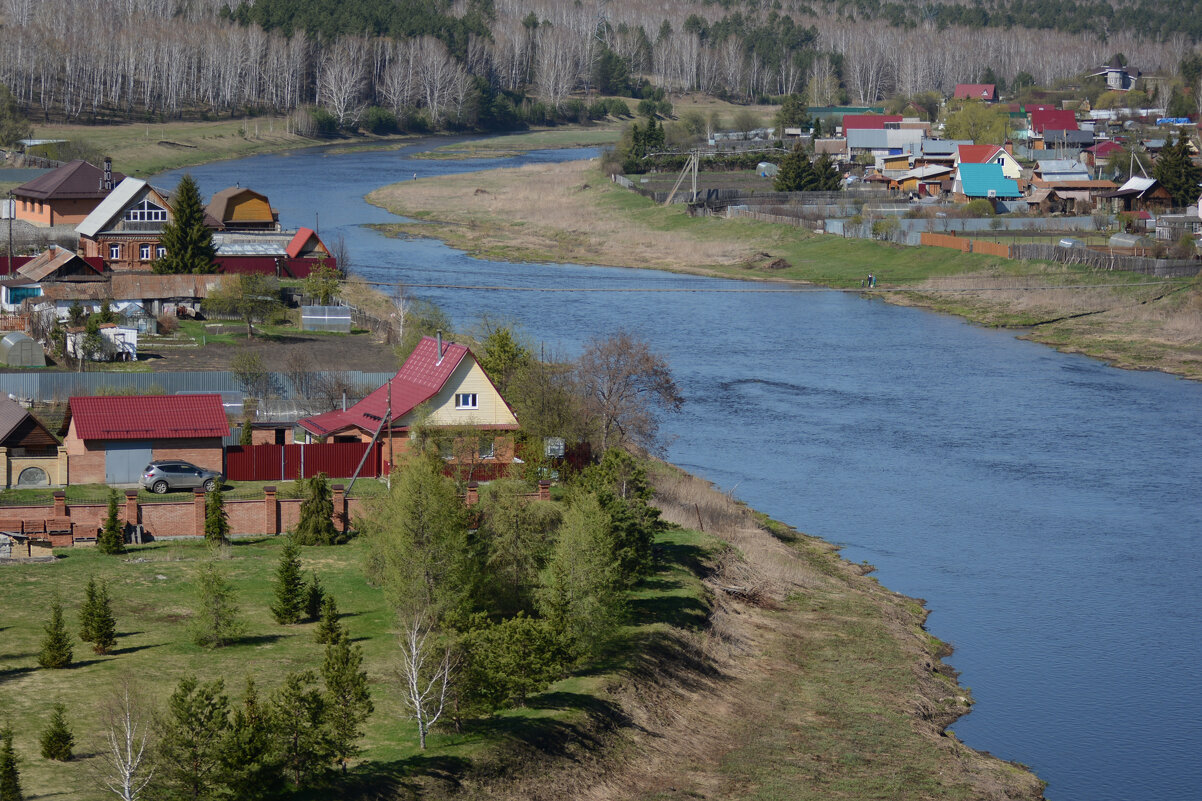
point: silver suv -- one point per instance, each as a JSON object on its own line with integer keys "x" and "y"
{"x": 172, "y": 474}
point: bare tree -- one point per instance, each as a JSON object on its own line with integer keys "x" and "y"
{"x": 624, "y": 383}
{"x": 425, "y": 672}
{"x": 342, "y": 79}
{"x": 125, "y": 768}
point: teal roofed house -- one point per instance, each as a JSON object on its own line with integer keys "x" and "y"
{"x": 984, "y": 180}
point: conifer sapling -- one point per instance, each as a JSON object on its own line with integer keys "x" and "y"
{"x": 57, "y": 740}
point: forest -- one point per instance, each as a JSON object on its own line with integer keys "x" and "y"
{"x": 490, "y": 64}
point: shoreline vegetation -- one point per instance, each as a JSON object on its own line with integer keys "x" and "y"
{"x": 570, "y": 212}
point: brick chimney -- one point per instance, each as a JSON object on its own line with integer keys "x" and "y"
{"x": 108, "y": 174}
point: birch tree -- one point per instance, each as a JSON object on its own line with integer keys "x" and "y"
{"x": 425, "y": 673}
{"x": 124, "y": 765}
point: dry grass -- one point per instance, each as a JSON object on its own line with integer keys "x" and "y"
{"x": 544, "y": 213}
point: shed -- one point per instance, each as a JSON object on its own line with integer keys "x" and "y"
{"x": 19, "y": 350}
{"x": 766, "y": 169}
{"x": 326, "y": 318}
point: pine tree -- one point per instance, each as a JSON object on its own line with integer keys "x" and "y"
{"x": 56, "y": 739}
{"x": 290, "y": 591}
{"x": 217, "y": 522}
{"x": 216, "y": 620}
{"x": 112, "y": 535}
{"x": 315, "y": 596}
{"x": 316, "y": 526}
{"x": 192, "y": 733}
{"x": 189, "y": 244}
{"x": 1176, "y": 171}
{"x": 10, "y": 777}
{"x": 298, "y": 716}
{"x": 347, "y": 698}
{"x": 330, "y": 629}
{"x": 794, "y": 171}
{"x": 96, "y": 622}
{"x": 250, "y": 758}
{"x": 56, "y": 645}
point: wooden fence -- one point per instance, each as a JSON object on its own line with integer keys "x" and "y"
{"x": 1102, "y": 260}
{"x": 947, "y": 241}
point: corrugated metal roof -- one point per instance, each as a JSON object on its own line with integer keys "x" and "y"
{"x": 978, "y": 180}
{"x": 420, "y": 378}
{"x": 147, "y": 417}
{"x": 1054, "y": 119}
{"x": 121, "y": 196}
{"x": 75, "y": 179}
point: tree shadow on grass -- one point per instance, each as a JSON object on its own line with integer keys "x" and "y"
{"x": 255, "y": 639}
{"x": 402, "y": 778}
{"x": 133, "y": 649}
{"x": 690, "y": 557}
{"x": 8, "y": 674}
{"x": 680, "y": 611}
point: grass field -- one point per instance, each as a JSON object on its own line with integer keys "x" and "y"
{"x": 153, "y": 596}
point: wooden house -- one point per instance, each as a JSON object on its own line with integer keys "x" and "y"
{"x": 1139, "y": 194}
{"x": 990, "y": 154}
{"x": 124, "y": 230}
{"x": 238, "y": 208}
{"x": 986, "y": 92}
{"x": 30, "y": 456}
{"x": 440, "y": 387}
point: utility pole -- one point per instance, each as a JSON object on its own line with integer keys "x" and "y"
{"x": 388, "y": 422}
{"x": 12, "y": 212}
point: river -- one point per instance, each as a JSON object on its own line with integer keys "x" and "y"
{"x": 1046, "y": 506}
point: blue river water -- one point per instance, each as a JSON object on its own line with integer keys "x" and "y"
{"x": 1046, "y": 507}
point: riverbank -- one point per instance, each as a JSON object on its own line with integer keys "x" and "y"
{"x": 571, "y": 213}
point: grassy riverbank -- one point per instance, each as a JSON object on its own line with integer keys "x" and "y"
{"x": 572, "y": 213}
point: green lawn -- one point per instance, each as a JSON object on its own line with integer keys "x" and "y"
{"x": 153, "y": 595}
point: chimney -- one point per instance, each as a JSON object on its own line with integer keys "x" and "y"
{"x": 108, "y": 174}
{"x": 1008, "y": 146}
{"x": 440, "y": 347}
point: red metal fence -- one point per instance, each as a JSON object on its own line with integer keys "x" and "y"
{"x": 290, "y": 462}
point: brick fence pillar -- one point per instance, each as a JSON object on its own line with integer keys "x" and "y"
{"x": 544, "y": 490}
{"x": 271, "y": 512}
{"x": 132, "y": 509}
{"x": 341, "y": 521}
{"x": 198, "y": 507}
{"x": 473, "y": 494}
{"x": 60, "y": 503}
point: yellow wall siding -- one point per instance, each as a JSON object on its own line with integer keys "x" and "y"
{"x": 468, "y": 377}
{"x": 248, "y": 209}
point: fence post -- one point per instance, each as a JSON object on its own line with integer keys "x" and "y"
{"x": 60, "y": 503}
{"x": 544, "y": 490}
{"x": 271, "y": 514}
{"x": 340, "y": 517}
{"x": 198, "y": 512}
{"x": 132, "y": 509}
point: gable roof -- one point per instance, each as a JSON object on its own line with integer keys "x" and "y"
{"x": 122, "y": 195}
{"x": 74, "y": 180}
{"x": 301, "y": 239}
{"x": 875, "y": 122}
{"x": 147, "y": 417}
{"x": 1061, "y": 166}
{"x": 1104, "y": 149}
{"x": 976, "y": 91}
{"x": 978, "y": 154}
{"x": 1054, "y": 119}
{"x": 420, "y": 378}
{"x": 978, "y": 180}
{"x": 53, "y": 259}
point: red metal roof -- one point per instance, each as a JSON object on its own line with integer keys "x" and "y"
{"x": 302, "y": 236}
{"x": 1104, "y": 149}
{"x": 976, "y": 91}
{"x": 147, "y": 417}
{"x": 871, "y": 122}
{"x": 978, "y": 154}
{"x": 420, "y": 378}
{"x": 1053, "y": 119}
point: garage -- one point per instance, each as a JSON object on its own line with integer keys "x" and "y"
{"x": 125, "y": 461}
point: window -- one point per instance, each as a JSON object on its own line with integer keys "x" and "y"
{"x": 466, "y": 400}
{"x": 146, "y": 212}
{"x": 144, "y": 252}
{"x": 160, "y": 252}
{"x": 488, "y": 448}
{"x": 115, "y": 250}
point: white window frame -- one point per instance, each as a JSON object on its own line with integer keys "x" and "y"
{"x": 467, "y": 400}
{"x": 487, "y": 448}
{"x": 146, "y": 211}
{"x": 160, "y": 252}
{"x": 114, "y": 250}
{"x": 144, "y": 251}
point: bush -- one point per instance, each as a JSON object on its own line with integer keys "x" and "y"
{"x": 168, "y": 324}
{"x": 323, "y": 122}
{"x": 980, "y": 207}
{"x": 379, "y": 121}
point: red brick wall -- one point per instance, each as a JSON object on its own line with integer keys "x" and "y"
{"x": 170, "y": 519}
{"x": 205, "y": 452}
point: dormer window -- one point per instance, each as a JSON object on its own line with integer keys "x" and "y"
{"x": 146, "y": 211}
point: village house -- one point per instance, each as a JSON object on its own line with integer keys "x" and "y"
{"x": 124, "y": 230}
{"x": 1044, "y": 120}
{"x": 990, "y": 154}
{"x": 65, "y": 195}
{"x": 441, "y": 386}
{"x": 1119, "y": 77}
{"x": 986, "y": 92}
{"x": 30, "y": 456}
{"x": 983, "y": 181}
{"x": 111, "y": 439}
{"x": 237, "y": 208}
{"x": 1139, "y": 194}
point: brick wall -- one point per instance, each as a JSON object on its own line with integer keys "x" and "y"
{"x": 204, "y": 452}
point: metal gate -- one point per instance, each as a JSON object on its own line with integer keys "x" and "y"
{"x": 124, "y": 461}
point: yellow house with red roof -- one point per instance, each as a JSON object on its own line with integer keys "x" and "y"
{"x": 440, "y": 386}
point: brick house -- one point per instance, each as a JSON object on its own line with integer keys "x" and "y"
{"x": 440, "y": 386}
{"x": 111, "y": 439}
{"x": 124, "y": 230}
{"x": 30, "y": 455}
{"x": 66, "y": 195}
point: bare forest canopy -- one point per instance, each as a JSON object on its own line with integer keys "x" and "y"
{"x": 505, "y": 63}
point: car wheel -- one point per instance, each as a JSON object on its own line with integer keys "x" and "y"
{"x": 159, "y": 488}
{"x": 210, "y": 485}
